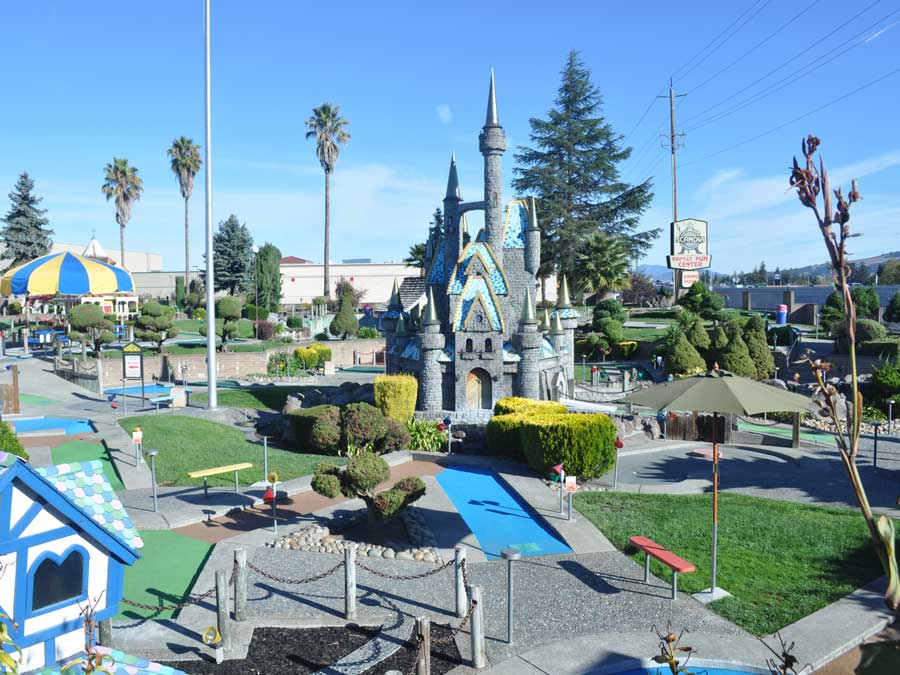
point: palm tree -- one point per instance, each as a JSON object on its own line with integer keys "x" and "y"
{"x": 185, "y": 156}
{"x": 327, "y": 126}
{"x": 601, "y": 264}
{"x": 123, "y": 183}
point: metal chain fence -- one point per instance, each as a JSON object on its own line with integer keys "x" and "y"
{"x": 180, "y": 605}
{"x": 409, "y": 577}
{"x": 285, "y": 580}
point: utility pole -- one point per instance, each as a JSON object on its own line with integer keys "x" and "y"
{"x": 672, "y": 141}
{"x": 212, "y": 401}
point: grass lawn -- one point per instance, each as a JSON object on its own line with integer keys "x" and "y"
{"x": 257, "y": 398}
{"x": 643, "y": 334}
{"x": 781, "y": 561}
{"x": 190, "y": 444}
{"x": 84, "y": 451}
{"x": 166, "y": 571}
{"x": 35, "y": 399}
{"x": 189, "y": 325}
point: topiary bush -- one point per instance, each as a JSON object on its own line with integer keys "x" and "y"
{"x": 611, "y": 330}
{"x": 245, "y": 329}
{"x": 502, "y": 436}
{"x": 625, "y": 349}
{"x": 735, "y": 358}
{"x": 10, "y": 443}
{"x": 317, "y": 429}
{"x": 886, "y": 381}
{"x": 345, "y": 324}
{"x": 515, "y": 404}
{"x": 395, "y": 396}
{"x": 682, "y": 358}
{"x": 396, "y": 437}
{"x": 867, "y": 330}
{"x": 306, "y": 357}
{"x": 324, "y": 351}
{"x": 696, "y": 334}
{"x": 362, "y": 425}
{"x": 608, "y": 309}
{"x": 760, "y": 354}
{"x": 295, "y": 322}
{"x": 584, "y": 444}
{"x": 368, "y": 333}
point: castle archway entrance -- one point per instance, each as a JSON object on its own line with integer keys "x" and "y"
{"x": 478, "y": 389}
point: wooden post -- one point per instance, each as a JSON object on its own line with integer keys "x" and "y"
{"x": 795, "y": 431}
{"x": 240, "y": 584}
{"x": 423, "y": 659}
{"x": 222, "y": 609}
{"x": 105, "y": 629}
{"x": 15, "y": 391}
{"x": 349, "y": 581}
{"x": 462, "y": 601}
{"x": 476, "y": 630}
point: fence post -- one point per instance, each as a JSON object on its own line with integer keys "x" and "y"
{"x": 240, "y": 584}
{"x": 423, "y": 656}
{"x": 349, "y": 581}
{"x": 105, "y": 628}
{"x": 222, "y": 609}
{"x": 462, "y": 604}
{"x": 476, "y": 632}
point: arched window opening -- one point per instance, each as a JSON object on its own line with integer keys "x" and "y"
{"x": 488, "y": 345}
{"x": 469, "y": 345}
{"x": 55, "y": 582}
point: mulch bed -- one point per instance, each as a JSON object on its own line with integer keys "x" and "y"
{"x": 444, "y": 658}
{"x": 275, "y": 651}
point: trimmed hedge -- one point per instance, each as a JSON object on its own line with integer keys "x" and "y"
{"x": 502, "y": 435}
{"x": 324, "y": 351}
{"x": 395, "y": 396}
{"x": 584, "y": 444}
{"x": 515, "y": 404}
{"x": 888, "y": 348}
{"x": 362, "y": 424}
{"x": 317, "y": 429}
{"x": 10, "y": 443}
{"x": 396, "y": 437}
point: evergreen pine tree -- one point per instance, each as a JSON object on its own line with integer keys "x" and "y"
{"x": 345, "y": 322}
{"x": 268, "y": 284}
{"x": 25, "y": 232}
{"x": 735, "y": 357}
{"x": 572, "y": 169}
{"x": 761, "y": 355}
{"x": 697, "y": 335}
{"x": 233, "y": 256}
{"x": 681, "y": 357}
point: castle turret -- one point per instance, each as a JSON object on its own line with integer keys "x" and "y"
{"x": 492, "y": 144}
{"x": 544, "y": 325}
{"x": 532, "y": 240}
{"x": 432, "y": 341}
{"x": 528, "y": 340}
{"x": 558, "y": 334}
{"x": 452, "y": 229}
{"x": 566, "y": 312}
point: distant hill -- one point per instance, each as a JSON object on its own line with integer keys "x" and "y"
{"x": 872, "y": 262}
{"x": 656, "y": 272}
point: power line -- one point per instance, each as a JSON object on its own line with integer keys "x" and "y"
{"x": 796, "y": 75}
{"x": 822, "y": 40}
{"x": 759, "y": 44}
{"x": 641, "y": 119}
{"x": 796, "y": 119}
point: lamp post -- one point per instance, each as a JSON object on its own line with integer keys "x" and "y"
{"x": 509, "y": 554}
{"x": 152, "y": 453}
{"x": 890, "y": 416}
{"x": 256, "y": 288}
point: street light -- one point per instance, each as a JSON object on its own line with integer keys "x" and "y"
{"x": 256, "y": 287}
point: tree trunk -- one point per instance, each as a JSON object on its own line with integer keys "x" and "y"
{"x": 187, "y": 248}
{"x": 327, "y": 292}
{"x": 122, "y": 246}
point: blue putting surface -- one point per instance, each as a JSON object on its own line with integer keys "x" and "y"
{"x": 497, "y": 516}
{"x": 149, "y": 390}
{"x": 53, "y": 423}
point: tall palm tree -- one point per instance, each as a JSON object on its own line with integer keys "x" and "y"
{"x": 185, "y": 156}
{"x": 327, "y": 126}
{"x": 601, "y": 264}
{"x": 123, "y": 184}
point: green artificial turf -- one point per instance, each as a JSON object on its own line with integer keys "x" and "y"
{"x": 84, "y": 451}
{"x": 167, "y": 569}
{"x": 781, "y": 561}
{"x": 189, "y": 444}
{"x": 257, "y": 398}
{"x": 35, "y": 399}
{"x": 786, "y": 432}
{"x": 189, "y": 325}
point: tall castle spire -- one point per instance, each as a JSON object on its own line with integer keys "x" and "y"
{"x": 453, "y": 181}
{"x": 492, "y": 119}
{"x": 492, "y": 144}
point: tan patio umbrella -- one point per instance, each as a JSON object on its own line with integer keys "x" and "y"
{"x": 718, "y": 391}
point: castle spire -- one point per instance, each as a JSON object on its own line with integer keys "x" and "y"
{"x": 563, "y": 301}
{"x": 453, "y": 181}
{"x": 431, "y": 317}
{"x": 545, "y": 321}
{"x": 492, "y": 119}
{"x": 527, "y": 311}
{"x": 395, "y": 302}
{"x": 556, "y": 327}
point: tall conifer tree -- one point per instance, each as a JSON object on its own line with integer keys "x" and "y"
{"x": 25, "y": 232}
{"x": 572, "y": 169}
{"x": 233, "y": 257}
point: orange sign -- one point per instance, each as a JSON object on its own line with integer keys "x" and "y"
{"x": 137, "y": 436}
{"x": 571, "y": 485}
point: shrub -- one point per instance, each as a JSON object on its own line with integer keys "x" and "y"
{"x": 754, "y": 324}
{"x": 179, "y": 291}
{"x": 872, "y": 414}
{"x": 368, "y": 333}
{"x": 760, "y": 354}
{"x": 324, "y": 351}
{"x": 719, "y": 339}
{"x": 701, "y": 301}
{"x": 785, "y": 335}
{"x": 345, "y": 322}
{"x": 266, "y": 330}
{"x": 626, "y": 349}
{"x": 425, "y": 435}
{"x": 317, "y": 429}
{"x": 892, "y": 313}
{"x": 889, "y": 348}
{"x": 405, "y": 491}
{"x": 503, "y": 437}
{"x": 866, "y": 300}
{"x": 295, "y": 322}
{"x": 326, "y": 484}
{"x": 396, "y": 437}
{"x": 199, "y": 313}
{"x": 515, "y": 404}
{"x": 255, "y": 313}
{"x": 245, "y": 329}
{"x": 366, "y": 471}
{"x": 306, "y": 357}
{"x": 362, "y": 425}
{"x": 735, "y": 358}
{"x": 886, "y": 380}
{"x": 584, "y": 444}
{"x": 608, "y": 309}
{"x": 682, "y": 358}
{"x": 395, "y": 396}
{"x": 696, "y": 334}
{"x": 10, "y": 443}
{"x": 15, "y": 308}
{"x": 867, "y": 330}
{"x": 612, "y": 330}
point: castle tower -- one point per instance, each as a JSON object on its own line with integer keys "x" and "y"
{"x": 528, "y": 340}
{"x": 558, "y": 334}
{"x": 492, "y": 144}
{"x": 567, "y": 314}
{"x": 532, "y": 240}
{"x": 453, "y": 232}
{"x": 432, "y": 341}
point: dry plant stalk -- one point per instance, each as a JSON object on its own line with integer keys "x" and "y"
{"x": 833, "y": 218}
{"x": 669, "y": 649}
{"x": 91, "y": 661}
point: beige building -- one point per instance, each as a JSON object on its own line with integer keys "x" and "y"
{"x": 135, "y": 261}
{"x": 303, "y": 281}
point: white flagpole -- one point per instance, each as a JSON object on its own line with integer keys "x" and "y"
{"x": 210, "y": 281}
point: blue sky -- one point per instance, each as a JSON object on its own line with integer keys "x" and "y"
{"x": 88, "y": 81}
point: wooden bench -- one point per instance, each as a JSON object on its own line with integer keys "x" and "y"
{"x": 205, "y": 473}
{"x": 666, "y": 557}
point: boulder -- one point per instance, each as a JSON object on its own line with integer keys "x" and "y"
{"x": 293, "y": 402}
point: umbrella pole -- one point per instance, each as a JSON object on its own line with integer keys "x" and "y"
{"x": 715, "y": 524}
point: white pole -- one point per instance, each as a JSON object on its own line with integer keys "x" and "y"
{"x": 210, "y": 281}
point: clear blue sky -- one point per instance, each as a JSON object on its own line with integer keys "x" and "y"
{"x": 88, "y": 81}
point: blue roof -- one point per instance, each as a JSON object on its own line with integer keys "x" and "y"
{"x": 515, "y": 223}
{"x": 412, "y": 350}
{"x": 438, "y": 272}
{"x": 565, "y": 313}
{"x": 547, "y": 350}
{"x": 121, "y": 664}
{"x": 481, "y": 251}
{"x": 477, "y": 294}
{"x": 510, "y": 355}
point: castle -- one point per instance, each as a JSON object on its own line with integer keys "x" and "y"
{"x": 479, "y": 338}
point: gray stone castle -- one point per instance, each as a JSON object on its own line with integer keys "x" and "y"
{"x": 479, "y": 338}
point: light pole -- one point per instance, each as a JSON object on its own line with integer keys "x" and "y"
{"x": 256, "y": 288}
{"x": 212, "y": 392}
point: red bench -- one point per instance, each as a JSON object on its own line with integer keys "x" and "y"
{"x": 666, "y": 557}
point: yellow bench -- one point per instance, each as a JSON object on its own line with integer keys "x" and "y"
{"x": 205, "y": 473}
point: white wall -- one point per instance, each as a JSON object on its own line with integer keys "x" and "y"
{"x": 301, "y": 283}
{"x": 135, "y": 261}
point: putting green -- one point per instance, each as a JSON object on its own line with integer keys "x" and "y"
{"x": 35, "y": 399}
{"x": 169, "y": 565}
{"x": 782, "y": 431}
{"x": 84, "y": 451}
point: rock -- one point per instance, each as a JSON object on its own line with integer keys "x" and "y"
{"x": 293, "y": 402}
{"x": 459, "y": 435}
{"x": 388, "y": 553}
{"x": 404, "y": 555}
{"x": 429, "y": 557}
{"x": 419, "y": 555}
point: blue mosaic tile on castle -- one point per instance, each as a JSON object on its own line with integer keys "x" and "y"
{"x": 498, "y": 281}
{"x": 510, "y": 355}
{"x": 547, "y": 350}
{"x": 437, "y": 274}
{"x": 475, "y": 288}
{"x": 565, "y": 313}
{"x": 85, "y": 484}
{"x": 516, "y": 222}
{"x": 412, "y": 350}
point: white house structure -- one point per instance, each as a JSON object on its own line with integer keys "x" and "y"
{"x": 65, "y": 539}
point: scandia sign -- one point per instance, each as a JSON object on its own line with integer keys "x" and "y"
{"x": 689, "y": 245}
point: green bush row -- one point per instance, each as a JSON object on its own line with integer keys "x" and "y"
{"x": 331, "y": 430}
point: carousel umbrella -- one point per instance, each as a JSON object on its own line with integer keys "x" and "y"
{"x": 65, "y": 274}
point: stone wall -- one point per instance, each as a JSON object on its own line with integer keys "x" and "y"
{"x": 234, "y": 365}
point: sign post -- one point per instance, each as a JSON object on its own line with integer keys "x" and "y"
{"x": 132, "y": 366}
{"x": 689, "y": 250}
{"x": 571, "y": 488}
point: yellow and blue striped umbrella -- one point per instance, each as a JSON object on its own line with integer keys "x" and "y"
{"x": 65, "y": 274}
